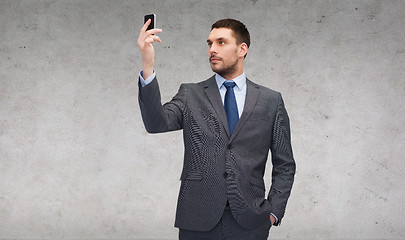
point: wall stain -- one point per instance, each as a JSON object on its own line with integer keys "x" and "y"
{"x": 320, "y": 20}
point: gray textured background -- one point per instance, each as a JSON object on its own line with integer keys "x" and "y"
{"x": 76, "y": 162}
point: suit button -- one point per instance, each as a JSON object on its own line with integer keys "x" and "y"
{"x": 225, "y": 175}
{"x": 229, "y": 146}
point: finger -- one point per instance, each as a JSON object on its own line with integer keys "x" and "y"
{"x": 154, "y": 31}
{"x": 143, "y": 35}
{"x": 145, "y": 26}
{"x": 148, "y": 34}
{"x": 142, "y": 32}
{"x": 152, "y": 39}
{"x": 149, "y": 40}
{"x": 156, "y": 38}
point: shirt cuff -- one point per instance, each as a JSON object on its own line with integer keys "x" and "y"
{"x": 145, "y": 82}
{"x": 275, "y": 218}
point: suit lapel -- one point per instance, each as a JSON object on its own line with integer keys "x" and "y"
{"x": 252, "y": 93}
{"x": 211, "y": 89}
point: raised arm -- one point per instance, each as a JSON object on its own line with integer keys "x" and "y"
{"x": 145, "y": 44}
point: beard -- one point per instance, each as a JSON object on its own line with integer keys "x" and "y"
{"x": 226, "y": 69}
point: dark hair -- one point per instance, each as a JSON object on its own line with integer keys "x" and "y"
{"x": 239, "y": 29}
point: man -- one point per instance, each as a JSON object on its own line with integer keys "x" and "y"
{"x": 229, "y": 125}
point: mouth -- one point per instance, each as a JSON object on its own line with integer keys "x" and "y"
{"x": 215, "y": 59}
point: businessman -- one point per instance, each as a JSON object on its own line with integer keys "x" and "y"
{"x": 230, "y": 124}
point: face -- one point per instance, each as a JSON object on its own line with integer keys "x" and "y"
{"x": 225, "y": 55}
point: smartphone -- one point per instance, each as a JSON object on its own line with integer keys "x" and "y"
{"x": 152, "y": 23}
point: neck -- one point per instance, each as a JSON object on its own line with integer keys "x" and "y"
{"x": 233, "y": 75}
{"x": 238, "y": 70}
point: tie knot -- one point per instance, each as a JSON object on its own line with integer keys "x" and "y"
{"x": 229, "y": 84}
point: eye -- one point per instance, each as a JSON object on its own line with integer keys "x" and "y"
{"x": 209, "y": 44}
{"x": 221, "y": 42}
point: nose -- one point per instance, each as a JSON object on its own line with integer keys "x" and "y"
{"x": 212, "y": 49}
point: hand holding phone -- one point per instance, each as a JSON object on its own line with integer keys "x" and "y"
{"x": 145, "y": 43}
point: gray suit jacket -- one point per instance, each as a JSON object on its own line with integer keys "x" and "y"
{"x": 218, "y": 167}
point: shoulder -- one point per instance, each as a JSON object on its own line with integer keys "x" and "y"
{"x": 264, "y": 90}
{"x": 199, "y": 85}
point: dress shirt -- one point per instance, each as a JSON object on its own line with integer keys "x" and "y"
{"x": 145, "y": 82}
{"x": 239, "y": 90}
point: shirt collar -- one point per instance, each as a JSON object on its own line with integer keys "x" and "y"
{"x": 239, "y": 80}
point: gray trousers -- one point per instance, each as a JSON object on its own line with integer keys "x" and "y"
{"x": 228, "y": 229}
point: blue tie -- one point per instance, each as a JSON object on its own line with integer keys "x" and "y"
{"x": 230, "y": 105}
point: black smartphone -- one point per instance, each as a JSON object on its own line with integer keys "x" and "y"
{"x": 152, "y": 23}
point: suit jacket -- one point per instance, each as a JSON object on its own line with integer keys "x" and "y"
{"x": 218, "y": 167}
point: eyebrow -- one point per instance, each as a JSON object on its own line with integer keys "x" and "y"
{"x": 218, "y": 39}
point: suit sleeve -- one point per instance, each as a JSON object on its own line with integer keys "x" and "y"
{"x": 159, "y": 118}
{"x": 283, "y": 162}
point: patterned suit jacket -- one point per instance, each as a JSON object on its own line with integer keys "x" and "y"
{"x": 218, "y": 167}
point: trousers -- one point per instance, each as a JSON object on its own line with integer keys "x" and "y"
{"x": 228, "y": 229}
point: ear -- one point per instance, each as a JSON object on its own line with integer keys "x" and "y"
{"x": 243, "y": 48}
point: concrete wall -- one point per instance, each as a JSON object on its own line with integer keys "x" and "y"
{"x": 76, "y": 162}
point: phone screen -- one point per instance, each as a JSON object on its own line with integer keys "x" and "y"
{"x": 153, "y": 22}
